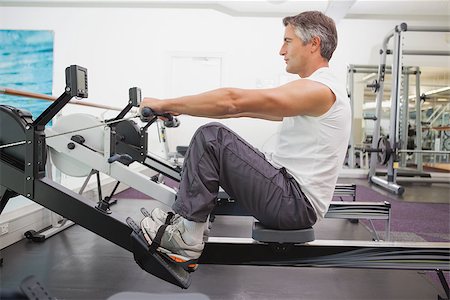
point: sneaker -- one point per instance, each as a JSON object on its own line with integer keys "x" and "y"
{"x": 160, "y": 217}
{"x": 172, "y": 244}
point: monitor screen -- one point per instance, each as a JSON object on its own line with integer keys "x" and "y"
{"x": 81, "y": 80}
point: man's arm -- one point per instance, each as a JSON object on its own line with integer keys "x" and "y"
{"x": 300, "y": 97}
{"x": 251, "y": 115}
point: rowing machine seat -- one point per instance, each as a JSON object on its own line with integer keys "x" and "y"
{"x": 297, "y": 236}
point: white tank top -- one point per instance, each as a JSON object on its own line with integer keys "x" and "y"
{"x": 313, "y": 149}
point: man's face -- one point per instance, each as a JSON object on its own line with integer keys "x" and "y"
{"x": 294, "y": 51}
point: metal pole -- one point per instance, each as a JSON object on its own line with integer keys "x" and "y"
{"x": 419, "y": 158}
{"x": 355, "y": 67}
{"x": 427, "y": 52}
{"x": 404, "y": 119}
{"x": 427, "y": 29}
{"x": 390, "y": 186}
{"x": 439, "y": 113}
{"x": 351, "y": 149}
{"x": 378, "y": 101}
{"x": 19, "y": 93}
{"x": 395, "y": 100}
{"x": 372, "y": 69}
{"x": 426, "y": 151}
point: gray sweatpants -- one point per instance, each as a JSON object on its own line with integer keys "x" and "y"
{"x": 219, "y": 157}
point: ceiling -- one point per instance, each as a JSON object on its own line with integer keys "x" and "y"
{"x": 338, "y": 9}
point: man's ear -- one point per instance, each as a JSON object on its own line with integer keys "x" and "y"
{"x": 315, "y": 44}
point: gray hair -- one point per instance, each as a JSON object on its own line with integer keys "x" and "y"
{"x": 310, "y": 24}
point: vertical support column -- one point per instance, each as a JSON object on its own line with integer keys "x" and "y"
{"x": 419, "y": 161}
{"x": 358, "y": 115}
{"x": 404, "y": 118}
{"x": 395, "y": 100}
{"x": 378, "y": 102}
{"x": 350, "y": 82}
{"x": 36, "y": 157}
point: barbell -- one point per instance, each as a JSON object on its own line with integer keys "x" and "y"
{"x": 384, "y": 150}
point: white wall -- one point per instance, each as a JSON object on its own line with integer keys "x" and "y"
{"x": 123, "y": 47}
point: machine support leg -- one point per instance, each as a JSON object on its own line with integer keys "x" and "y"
{"x": 99, "y": 187}
{"x": 108, "y": 198}
{"x": 444, "y": 285}
{"x": 86, "y": 181}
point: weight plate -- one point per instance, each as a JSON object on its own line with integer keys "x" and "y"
{"x": 385, "y": 150}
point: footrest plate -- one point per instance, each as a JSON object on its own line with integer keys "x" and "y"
{"x": 153, "y": 262}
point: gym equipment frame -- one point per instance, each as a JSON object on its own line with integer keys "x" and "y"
{"x": 371, "y": 69}
{"x": 384, "y": 150}
{"x": 22, "y": 171}
{"x": 390, "y": 183}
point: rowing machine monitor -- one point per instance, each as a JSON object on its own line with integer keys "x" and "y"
{"x": 135, "y": 96}
{"x": 76, "y": 81}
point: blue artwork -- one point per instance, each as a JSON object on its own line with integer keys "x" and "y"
{"x": 26, "y": 63}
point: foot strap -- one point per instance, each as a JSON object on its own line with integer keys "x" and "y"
{"x": 168, "y": 220}
{"x": 169, "y": 217}
{"x": 156, "y": 242}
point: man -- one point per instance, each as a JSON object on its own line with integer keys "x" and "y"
{"x": 289, "y": 189}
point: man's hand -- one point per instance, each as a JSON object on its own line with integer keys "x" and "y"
{"x": 157, "y": 105}
{"x": 153, "y": 103}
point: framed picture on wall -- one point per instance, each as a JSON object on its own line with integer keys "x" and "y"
{"x": 26, "y": 64}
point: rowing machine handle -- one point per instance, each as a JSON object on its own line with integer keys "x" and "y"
{"x": 171, "y": 122}
{"x": 147, "y": 114}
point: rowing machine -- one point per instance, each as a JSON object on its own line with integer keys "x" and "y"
{"x": 23, "y": 155}
{"x": 22, "y": 172}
